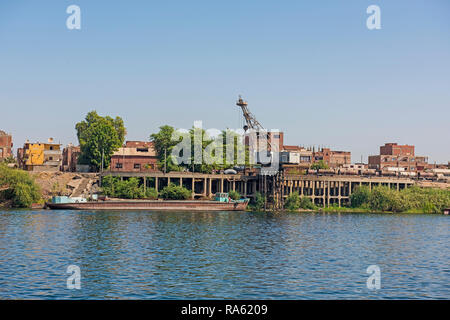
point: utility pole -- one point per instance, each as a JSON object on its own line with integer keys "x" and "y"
{"x": 165, "y": 160}
{"x": 103, "y": 152}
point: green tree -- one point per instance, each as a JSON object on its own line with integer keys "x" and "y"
{"x": 206, "y": 141}
{"x": 19, "y": 187}
{"x": 235, "y": 152}
{"x": 360, "y": 197}
{"x": 99, "y": 137}
{"x": 319, "y": 165}
{"x": 164, "y": 145}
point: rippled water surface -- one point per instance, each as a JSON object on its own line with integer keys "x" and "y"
{"x": 159, "y": 255}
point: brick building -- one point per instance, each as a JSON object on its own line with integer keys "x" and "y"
{"x": 5, "y": 145}
{"x": 394, "y": 157}
{"x": 135, "y": 156}
{"x": 334, "y": 159}
{"x": 70, "y": 156}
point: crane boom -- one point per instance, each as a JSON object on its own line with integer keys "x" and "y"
{"x": 254, "y": 125}
{"x": 250, "y": 119}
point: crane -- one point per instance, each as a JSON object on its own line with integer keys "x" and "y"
{"x": 254, "y": 124}
{"x": 250, "y": 119}
{"x": 264, "y": 140}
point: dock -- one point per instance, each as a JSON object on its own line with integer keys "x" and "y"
{"x": 323, "y": 190}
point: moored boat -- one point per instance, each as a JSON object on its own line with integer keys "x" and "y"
{"x": 447, "y": 211}
{"x": 221, "y": 203}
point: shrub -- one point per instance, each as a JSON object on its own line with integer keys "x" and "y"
{"x": 292, "y": 202}
{"x": 427, "y": 200}
{"x": 234, "y": 195}
{"x": 22, "y": 189}
{"x": 306, "y": 203}
{"x": 319, "y": 165}
{"x": 151, "y": 193}
{"x": 360, "y": 197}
{"x": 257, "y": 203}
{"x": 127, "y": 189}
{"x": 174, "y": 192}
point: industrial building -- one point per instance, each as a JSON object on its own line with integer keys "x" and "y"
{"x": 398, "y": 158}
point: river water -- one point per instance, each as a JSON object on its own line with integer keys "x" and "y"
{"x": 215, "y": 255}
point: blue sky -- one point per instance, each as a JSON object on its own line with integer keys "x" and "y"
{"x": 309, "y": 68}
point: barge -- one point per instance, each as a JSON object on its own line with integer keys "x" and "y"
{"x": 222, "y": 202}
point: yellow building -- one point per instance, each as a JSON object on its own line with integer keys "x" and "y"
{"x": 42, "y": 156}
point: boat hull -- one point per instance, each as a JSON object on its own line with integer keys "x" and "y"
{"x": 151, "y": 205}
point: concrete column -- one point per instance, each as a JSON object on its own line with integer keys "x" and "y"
{"x": 339, "y": 193}
{"x": 193, "y": 187}
{"x": 254, "y": 187}
{"x": 221, "y": 184}
{"x": 210, "y": 187}
{"x": 156, "y": 184}
{"x": 233, "y": 185}
{"x": 168, "y": 181}
{"x": 328, "y": 192}
{"x": 145, "y": 184}
{"x": 181, "y": 182}
{"x": 204, "y": 187}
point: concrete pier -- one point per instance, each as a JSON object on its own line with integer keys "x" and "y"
{"x": 323, "y": 190}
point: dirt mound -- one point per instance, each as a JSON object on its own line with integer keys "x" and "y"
{"x": 59, "y": 183}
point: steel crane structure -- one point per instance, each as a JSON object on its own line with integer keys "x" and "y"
{"x": 263, "y": 138}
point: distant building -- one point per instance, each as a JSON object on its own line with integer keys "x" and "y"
{"x": 397, "y": 158}
{"x": 356, "y": 166}
{"x": 334, "y": 159}
{"x": 295, "y": 155}
{"x": 40, "y": 156}
{"x": 5, "y": 145}
{"x": 135, "y": 156}
{"x": 70, "y": 156}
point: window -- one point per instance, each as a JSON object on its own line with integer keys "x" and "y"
{"x": 142, "y": 149}
{"x": 51, "y": 147}
{"x": 305, "y": 159}
{"x": 118, "y": 165}
{"x": 137, "y": 165}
